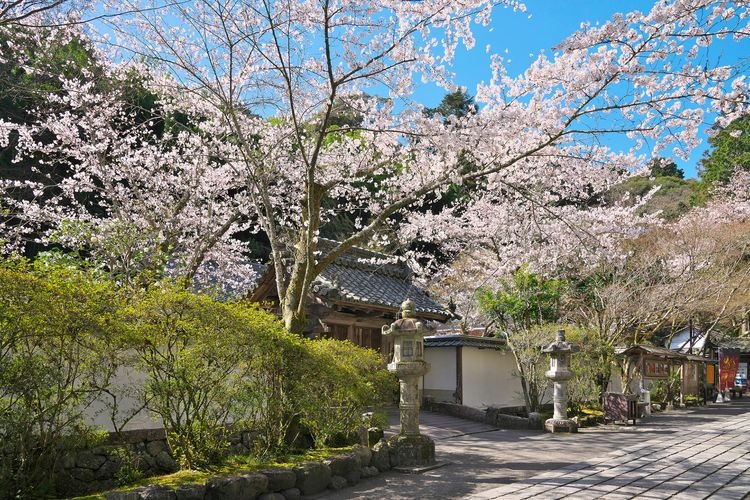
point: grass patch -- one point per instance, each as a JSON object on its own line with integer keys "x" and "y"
{"x": 592, "y": 411}
{"x": 232, "y": 464}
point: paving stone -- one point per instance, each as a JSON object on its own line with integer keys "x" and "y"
{"x": 675, "y": 458}
{"x": 690, "y": 495}
{"x": 564, "y": 492}
{"x": 630, "y": 490}
{"x": 621, "y": 481}
{"x": 731, "y": 493}
{"x": 604, "y": 488}
{"x": 654, "y": 495}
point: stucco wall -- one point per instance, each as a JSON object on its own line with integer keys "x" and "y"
{"x": 124, "y": 384}
{"x": 488, "y": 378}
{"x": 440, "y": 382}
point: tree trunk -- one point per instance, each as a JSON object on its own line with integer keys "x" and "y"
{"x": 524, "y": 382}
{"x": 294, "y": 322}
{"x": 293, "y": 308}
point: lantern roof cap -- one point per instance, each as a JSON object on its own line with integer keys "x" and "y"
{"x": 561, "y": 345}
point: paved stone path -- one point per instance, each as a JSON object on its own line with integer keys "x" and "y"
{"x": 686, "y": 454}
{"x": 708, "y": 461}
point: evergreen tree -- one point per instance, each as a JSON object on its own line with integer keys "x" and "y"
{"x": 457, "y": 103}
{"x": 730, "y": 151}
{"x": 665, "y": 167}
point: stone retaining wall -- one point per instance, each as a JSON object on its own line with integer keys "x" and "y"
{"x": 304, "y": 480}
{"x": 497, "y": 417}
{"x": 142, "y": 452}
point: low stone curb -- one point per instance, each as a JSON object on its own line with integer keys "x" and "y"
{"x": 495, "y": 417}
{"x": 305, "y": 480}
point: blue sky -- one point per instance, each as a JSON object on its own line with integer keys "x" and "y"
{"x": 546, "y": 23}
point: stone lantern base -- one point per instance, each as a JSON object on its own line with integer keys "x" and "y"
{"x": 411, "y": 451}
{"x": 560, "y": 425}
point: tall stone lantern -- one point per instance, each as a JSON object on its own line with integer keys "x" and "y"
{"x": 409, "y": 448}
{"x": 559, "y": 373}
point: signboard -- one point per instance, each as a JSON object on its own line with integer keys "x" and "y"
{"x": 729, "y": 360}
{"x": 742, "y": 370}
{"x": 710, "y": 374}
{"x": 657, "y": 369}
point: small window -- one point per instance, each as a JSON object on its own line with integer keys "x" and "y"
{"x": 407, "y": 349}
{"x": 418, "y": 351}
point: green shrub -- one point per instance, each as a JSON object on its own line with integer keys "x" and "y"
{"x": 56, "y": 356}
{"x": 343, "y": 381}
{"x": 276, "y": 361}
{"x": 198, "y": 356}
{"x": 692, "y": 400}
{"x": 666, "y": 390}
{"x": 658, "y": 391}
{"x": 208, "y": 367}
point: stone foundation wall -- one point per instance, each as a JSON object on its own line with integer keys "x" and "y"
{"x": 307, "y": 479}
{"x": 143, "y": 453}
{"x": 503, "y": 418}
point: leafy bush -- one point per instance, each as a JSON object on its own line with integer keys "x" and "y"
{"x": 344, "y": 380}
{"x": 197, "y": 355}
{"x": 208, "y": 366}
{"x": 56, "y": 355}
{"x": 666, "y": 390}
{"x": 588, "y": 365}
{"x": 277, "y": 363}
{"x": 692, "y": 400}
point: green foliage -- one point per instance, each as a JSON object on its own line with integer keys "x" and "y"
{"x": 526, "y": 299}
{"x": 209, "y": 367}
{"x": 130, "y": 469}
{"x": 193, "y": 351}
{"x": 377, "y": 419}
{"x": 523, "y": 306}
{"x": 344, "y": 380}
{"x": 277, "y": 364}
{"x": 457, "y": 103}
{"x": 586, "y": 365}
{"x": 56, "y": 355}
{"x": 730, "y": 151}
{"x": 675, "y": 197}
{"x": 208, "y": 363}
{"x": 691, "y": 399}
{"x": 589, "y": 366}
{"x": 664, "y": 167}
{"x": 666, "y": 390}
{"x": 531, "y": 362}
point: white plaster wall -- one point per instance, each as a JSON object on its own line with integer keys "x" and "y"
{"x": 125, "y": 382}
{"x": 440, "y": 381}
{"x": 488, "y": 378}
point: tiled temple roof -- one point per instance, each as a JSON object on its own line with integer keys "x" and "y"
{"x": 458, "y": 340}
{"x": 372, "y": 278}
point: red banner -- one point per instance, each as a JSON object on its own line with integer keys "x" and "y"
{"x": 729, "y": 361}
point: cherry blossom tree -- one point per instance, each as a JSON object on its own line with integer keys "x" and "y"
{"x": 18, "y": 11}
{"x": 261, "y": 80}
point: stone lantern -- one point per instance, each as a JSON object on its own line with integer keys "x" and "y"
{"x": 559, "y": 373}
{"x": 409, "y": 447}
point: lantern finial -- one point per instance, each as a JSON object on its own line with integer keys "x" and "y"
{"x": 408, "y": 309}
